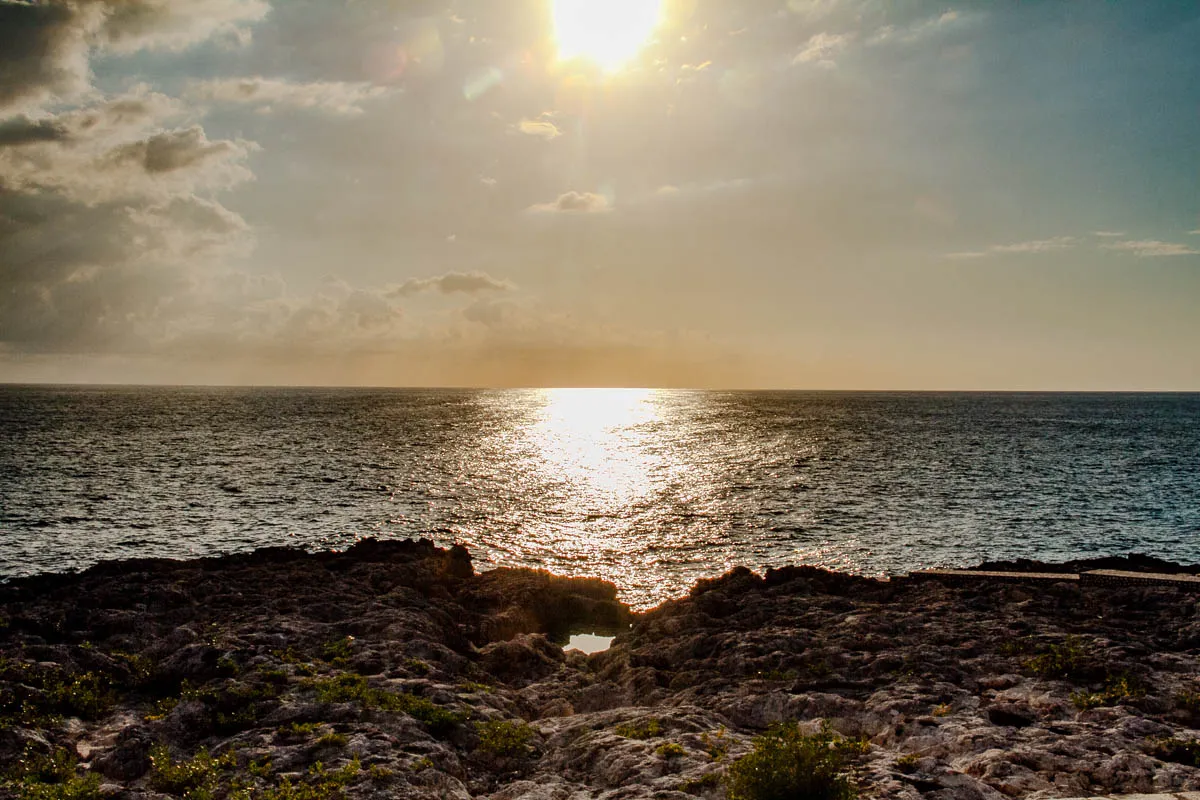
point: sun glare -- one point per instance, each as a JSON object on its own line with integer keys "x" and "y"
{"x": 608, "y": 33}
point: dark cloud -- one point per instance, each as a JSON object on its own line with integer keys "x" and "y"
{"x": 22, "y": 130}
{"x": 45, "y": 46}
{"x": 172, "y": 150}
{"x": 43, "y": 51}
{"x": 452, "y": 283}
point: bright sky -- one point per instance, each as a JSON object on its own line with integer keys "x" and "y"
{"x": 760, "y": 193}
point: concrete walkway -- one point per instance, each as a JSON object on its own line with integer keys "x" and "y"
{"x": 1171, "y": 796}
{"x": 1097, "y": 577}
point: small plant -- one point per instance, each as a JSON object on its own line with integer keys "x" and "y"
{"x": 1020, "y": 646}
{"x": 1188, "y": 701}
{"x": 337, "y": 740}
{"x": 1117, "y": 690}
{"x": 669, "y": 750}
{"x": 709, "y": 780}
{"x": 474, "y": 688}
{"x": 297, "y": 730}
{"x": 421, "y": 764}
{"x": 379, "y": 774}
{"x": 1179, "y": 751}
{"x": 907, "y": 763}
{"x": 318, "y": 784}
{"x": 76, "y": 787}
{"x": 161, "y": 709}
{"x": 226, "y": 665}
{"x": 198, "y": 778}
{"x": 344, "y": 688}
{"x": 942, "y": 710}
{"x": 354, "y": 688}
{"x": 337, "y": 650}
{"x": 275, "y": 676}
{"x": 646, "y": 729}
{"x": 715, "y": 744}
{"x": 140, "y": 668}
{"x": 418, "y": 667}
{"x": 1072, "y": 660}
{"x": 786, "y": 763}
{"x": 504, "y": 738}
{"x": 260, "y": 768}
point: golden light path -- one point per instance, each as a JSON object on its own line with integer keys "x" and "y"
{"x": 595, "y": 442}
{"x": 608, "y": 33}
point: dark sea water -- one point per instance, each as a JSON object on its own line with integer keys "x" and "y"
{"x": 650, "y": 489}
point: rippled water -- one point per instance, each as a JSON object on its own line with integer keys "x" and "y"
{"x": 651, "y": 489}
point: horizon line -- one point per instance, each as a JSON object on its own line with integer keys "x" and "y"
{"x": 481, "y": 388}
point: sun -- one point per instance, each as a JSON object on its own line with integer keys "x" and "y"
{"x": 608, "y": 33}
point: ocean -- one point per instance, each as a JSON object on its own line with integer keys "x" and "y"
{"x": 650, "y": 489}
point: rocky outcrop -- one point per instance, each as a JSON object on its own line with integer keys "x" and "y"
{"x": 394, "y": 669}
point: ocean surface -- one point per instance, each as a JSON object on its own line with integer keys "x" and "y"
{"x": 650, "y": 489}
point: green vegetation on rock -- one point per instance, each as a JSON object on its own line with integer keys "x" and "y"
{"x": 788, "y": 764}
{"x": 504, "y": 737}
{"x": 646, "y": 729}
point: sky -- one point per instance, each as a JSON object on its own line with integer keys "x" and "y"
{"x": 811, "y": 194}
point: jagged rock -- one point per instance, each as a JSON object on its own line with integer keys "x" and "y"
{"x": 445, "y": 682}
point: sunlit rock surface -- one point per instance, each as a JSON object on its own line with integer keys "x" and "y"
{"x": 402, "y": 672}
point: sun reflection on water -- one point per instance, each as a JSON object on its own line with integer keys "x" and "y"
{"x": 593, "y": 446}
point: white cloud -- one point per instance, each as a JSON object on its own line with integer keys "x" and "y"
{"x": 574, "y": 203}
{"x": 540, "y": 127}
{"x": 1108, "y": 234}
{"x": 1152, "y": 248}
{"x": 821, "y": 48}
{"x": 911, "y": 34}
{"x": 1030, "y": 247}
{"x": 337, "y": 97}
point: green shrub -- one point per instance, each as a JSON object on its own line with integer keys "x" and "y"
{"x": 787, "y": 764}
{"x": 76, "y": 787}
{"x": 197, "y": 778}
{"x": 646, "y": 729}
{"x": 504, "y": 738}
{"x": 87, "y": 695}
{"x": 907, "y": 763}
{"x": 670, "y": 750}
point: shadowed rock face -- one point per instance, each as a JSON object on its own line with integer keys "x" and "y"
{"x": 399, "y": 654}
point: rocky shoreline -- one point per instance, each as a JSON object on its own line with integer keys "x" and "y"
{"x": 394, "y": 669}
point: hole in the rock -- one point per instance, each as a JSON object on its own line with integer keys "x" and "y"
{"x": 589, "y": 643}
